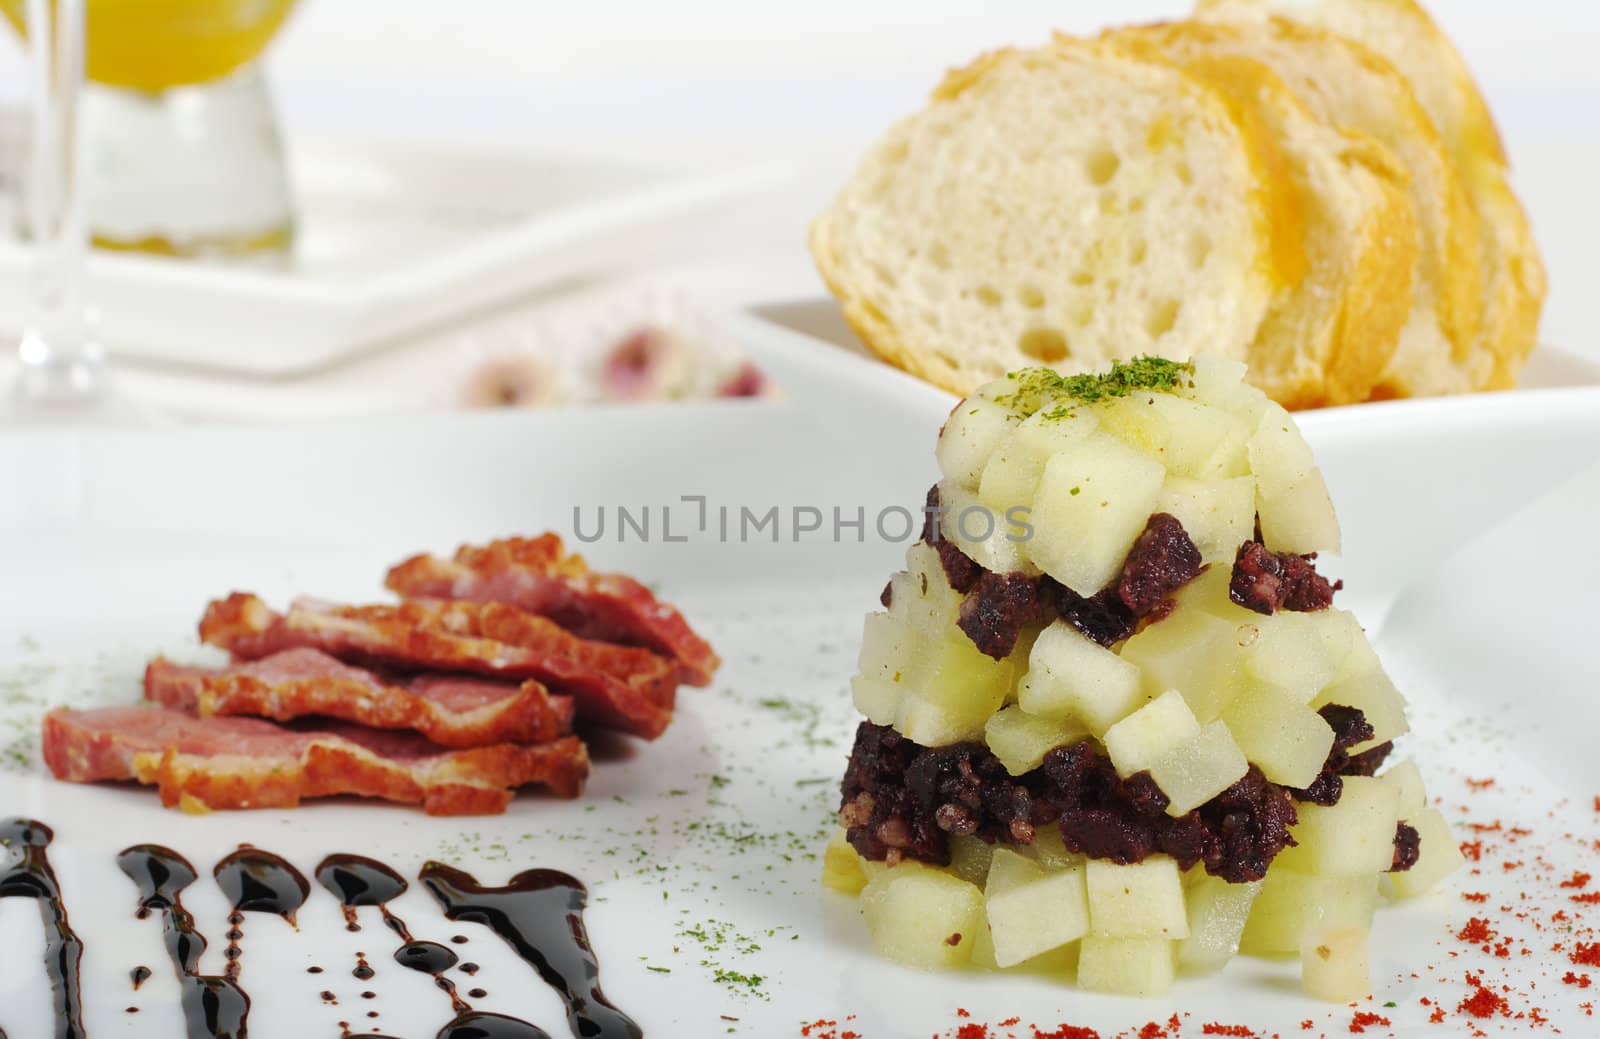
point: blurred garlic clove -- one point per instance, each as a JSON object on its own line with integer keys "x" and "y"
{"x": 746, "y": 381}
{"x": 649, "y": 364}
{"x": 511, "y": 382}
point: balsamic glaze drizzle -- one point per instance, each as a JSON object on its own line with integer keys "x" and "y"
{"x": 257, "y": 881}
{"x": 140, "y": 975}
{"x": 31, "y": 876}
{"x": 213, "y": 1007}
{"x": 540, "y": 915}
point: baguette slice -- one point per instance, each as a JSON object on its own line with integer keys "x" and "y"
{"x": 1065, "y": 206}
{"x": 1348, "y": 86}
{"x": 1402, "y": 33}
{"x": 1331, "y": 332}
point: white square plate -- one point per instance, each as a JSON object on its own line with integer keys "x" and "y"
{"x": 701, "y": 850}
{"x": 392, "y": 240}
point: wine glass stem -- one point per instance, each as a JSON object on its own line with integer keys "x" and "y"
{"x": 60, "y": 358}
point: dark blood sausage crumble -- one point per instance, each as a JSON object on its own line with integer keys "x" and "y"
{"x": 1266, "y": 581}
{"x": 903, "y": 801}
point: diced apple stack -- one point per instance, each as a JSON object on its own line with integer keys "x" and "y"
{"x": 1041, "y": 477}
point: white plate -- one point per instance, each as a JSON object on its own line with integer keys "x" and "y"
{"x": 392, "y": 240}
{"x": 116, "y": 542}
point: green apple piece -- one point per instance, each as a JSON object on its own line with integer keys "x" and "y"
{"x": 1217, "y": 911}
{"x": 1288, "y": 650}
{"x": 1012, "y": 474}
{"x": 886, "y": 648}
{"x": 1361, "y": 659}
{"x": 970, "y": 858}
{"x": 1279, "y": 455}
{"x": 1094, "y": 499}
{"x": 1031, "y": 911}
{"x": 1139, "y": 900}
{"x": 841, "y": 867}
{"x": 1210, "y": 593}
{"x": 1145, "y": 736}
{"x": 1287, "y": 739}
{"x": 1190, "y": 651}
{"x": 1300, "y": 519}
{"x": 1199, "y": 768}
{"x": 1439, "y": 855}
{"x": 983, "y": 533}
{"x": 1218, "y": 515}
{"x": 880, "y": 701}
{"x": 1219, "y": 383}
{"x": 1353, "y": 837}
{"x": 1377, "y": 698}
{"x": 1125, "y": 966}
{"x": 1021, "y": 740}
{"x": 1333, "y": 964}
{"x": 1071, "y": 677}
{"x": 1049, "y": 849}
{"x": 922, "y": 916}
{"x": 1411, "y": 800}
{"x": 1292, "y": 904}
{"x": 953, "y": 698}
{"x": 970, "y": 436}
{"x": 1185, "y": 436}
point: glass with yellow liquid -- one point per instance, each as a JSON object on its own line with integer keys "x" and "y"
{"x": 181, "y": 141}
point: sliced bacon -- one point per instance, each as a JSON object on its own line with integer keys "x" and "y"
{"x": 538, "y": 575}
{"x": 450, "y": 711}
{"x": 622, "y": 687}
{"x": 200, "y": 764}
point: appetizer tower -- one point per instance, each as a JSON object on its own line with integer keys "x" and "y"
{"x": 1111, "y": 713}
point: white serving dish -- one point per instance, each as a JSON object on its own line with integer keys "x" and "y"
{"x": 393, "y": 240}
{"x": 115, "y": 542}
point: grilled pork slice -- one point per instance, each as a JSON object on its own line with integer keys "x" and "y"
{"x": 449, "y": 710}
{"x": 539, "y": 576}
{"x": 222, "y": 763}
{"x": 617, "y": 686}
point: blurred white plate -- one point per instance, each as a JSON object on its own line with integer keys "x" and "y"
{"x": 702, "y": 849}
{"x": 393, "y": 239}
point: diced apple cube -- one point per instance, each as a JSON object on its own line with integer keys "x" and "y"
{"x": 1410, "y": 798}
{"x": 970, "y": 858}
{"x": 1291, "y": 904}
{"x": 1125, "y": 966}
{"x": 1217, "y": 911}
{"x": 1210, "y": 593}
{"x": 1287, "y": 739}
{"x": 1300, "y": 519}
{"x": 841, "y": 867}
{"x": 886, "y": 648}
{"x": 1218, "y": 515}
{"x": 1011, "y": 476}
{"x": 953, "y": 699}
{"x": 1145, "y": 736}
{"x": 1049, "y": 849}
{"x": 1199, "y": 768}
{"x": 986, "y": 535}
{"x": 970, "y": 436}
{"x": 1333, "y": 964}
{"x": 1021, "y": 740}
{"x": 1031, "y": 911}
{"x": 1355, "y": 836}
{"x": 1219, "y": 383}
{"x": 877, "y": 699}
{"x": 1186, "y": 437}
{"x": 1190, "y": 651}
{"x": 1287, "y": 650}
{"x": 1139, "y": 900}
{"x": 1279, "y": 455}
{"x": 1439, "y": 855}
{"x": 1073, "y": 677}
{"x": 922, "y": 916}
{"x": 1377, "y": 698}
{"x": 1361, "y": 659}
{"x": 1094, "y": 499}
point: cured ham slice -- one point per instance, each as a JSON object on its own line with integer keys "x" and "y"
{"x": 538, "y": 576}
{"x": 622, "y": 687}
{"x": 451, "y": 711}
{"x": 199, "y": 764}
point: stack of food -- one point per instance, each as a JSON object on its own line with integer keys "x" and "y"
{"x": 1112, "y": 714}
{"x": 1314, "y": 188}
{"x": 452, "y": 698}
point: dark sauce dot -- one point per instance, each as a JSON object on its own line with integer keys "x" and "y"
{"x": 459, "y": 939}
{"x": 313, "y": 970}
{"x": 372, "y": 1013}
{"x": 369, "y": 995}
{"x": 140, "y": 975}
{"x": 470, "y": 968}
{"x": 329, "y": 997}
{"x": 478, "y": 993}
{"x": 133, "y": 1010}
